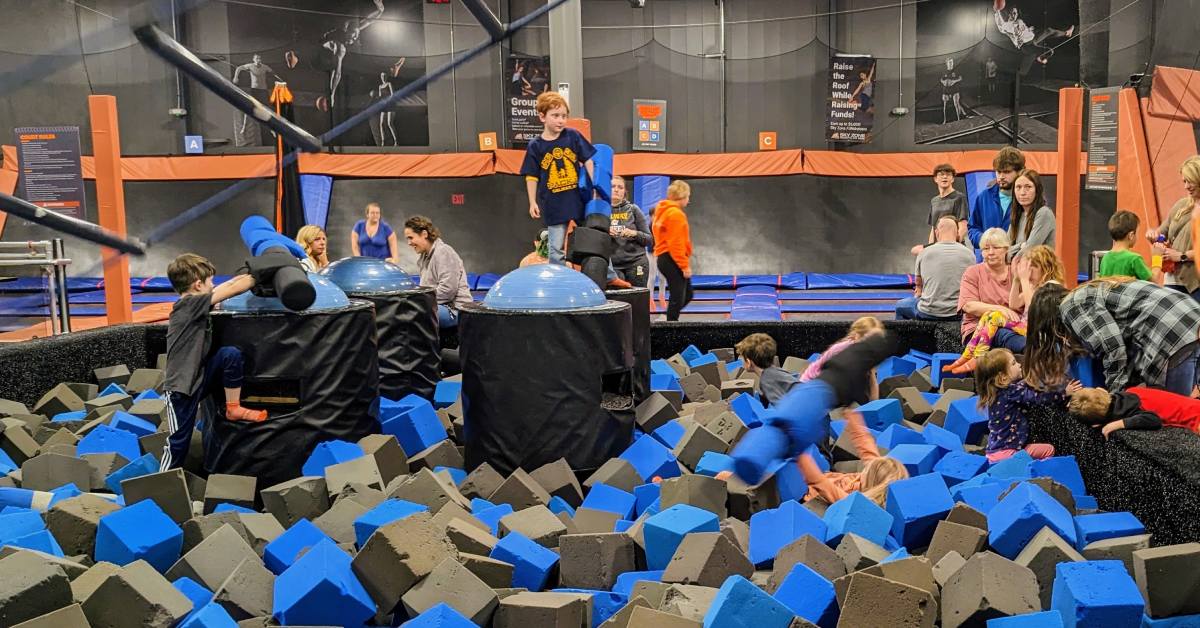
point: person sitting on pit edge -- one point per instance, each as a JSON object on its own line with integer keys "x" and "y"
{"x": 758, "y": 350}
{"x": 440, "y": 267}
{"x": 190, "y": 369}
{"x": 990, "y": 207}
{"x": 633, "y": 236}
{"x": 312, "y": 239}
{"x": 939, "y": 273}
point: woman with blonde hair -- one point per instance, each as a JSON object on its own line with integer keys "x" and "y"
{"x": 1176, "y": 231}
{"x": 312, "y": 239}
{"x": 878, "y": 471}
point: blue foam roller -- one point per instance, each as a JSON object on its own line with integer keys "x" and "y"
{"x": 859, "y": 515}
{"x": 918, "y": 459}
{"x": 1021, "y": 514}
{"x": 947, "y": 441}
{"x": 651, "y": 459}
{"x": 669, "y": 433}
{"x": 282, "y": 552}
{"x": 22, "y": 500}
{"x": 896, "y": 434}
{"x": 1096, "y": 594}
{"x": 772, "y": 529}
{"x": 439, "y": 616}
{"x": 809, "y": 595}
{"x": 960, "y": 466}
{"x": 625, "y": 581}
{"x": 387, "y": 511}
{"x": 1044, "y": 619}
{"x": 1105, "y": 525}
{"x": 965, "y": 419}
{"x": 329, "y": 453}
{"x": 531, "y": 562}
{"x": 759, "y": 449}
{"x": 143, "y": 465}
{"x": 139, "y": 532}
{"x": 881, "y": 413}
{"x": 610, "y": 499}
{"x": 1061, "y": 469}
{"x": 104, "y": 439}
{"x": 917, "y": 504}
{"x": 711, "y": 463}
{"x": 258, "y": 234}
{"x": 446, "y": 393}
{"x": 418, "y": 428}
{"x": 663, "y": 532}
{"x": 739, "y": 603}
{"x": 320, "y": 589}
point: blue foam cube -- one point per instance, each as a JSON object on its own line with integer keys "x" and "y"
{"x": 936, "y": 362}
{"x": 1021, "y": 514}
{"x": 228, "y": 507}
{"x": 112, "y": 389}
{"x": 1086, "y": 502}
{"x": 604, "y": 604}
{"x": 741, "y": 604}
{"x": 836, "y": 428}
{"x": 1178, "y": 621}
{"x": 818, "y": 458}
{"x": 40, "y": 541}
{"x": 1061, "y": 469}
{"x": 456, "y": 474}
{"x": 665, "y": 382}
{"x": 329, "y": 453}
{"x": 281, "y": 553}
{"x": 531, "y": 562}
{"x": 772, "y": 529}
{"x": 320, "y": 589}
{"x": 651, "y": 459}
{"x": 669, "y": 433}
{"x": 1096, "y": 593}
{"x": 858, "y": 514}
{"x": 1017, "y": 467}
{"x": 386, "y": 512}
{"x": 749, "y": 409}
{"x": 194, "y": 591}
{"x": 711, "y": 463}
{"x": 147, "y": 395}
{"x": 132, "y": 424}
{"x": 809, "y": 595}
{"x": 104, "y": 439}
{"x": 625, "y": 581}
{"x": 439, "y": 616}
{"x": 982, "y": 495}
{"x": 1044, "y": 619}
{"x": 19, "y": 524}
{"x": 732, "y": 367}
{"x": 897, "y": 434}
{"x": 690, "y": 353}
{"x": 917, "y": 504}
{"x": 65, "y": 417}
{"x": 789, "y": 481}
{"x": 623, "y": 525}
{"x": 918, "y": 459}
{"x": 663, "y": 532}
{"x": 610, "y": 499}
{"x": 479, "y": 504}
{"x": 965, "y": 419}
{"x": 881, "y": 413}
{"x": 707, "y": 358}
{"x": 7, "y": 465}
{"x": 960, "y": 466}
{"x": 143, "y": 465}
{"x": 893, "y": 366}
{"x": 942, "y": 438}
{"x": 646, "y": 495}
{"x": 1105, "y": 525}
{"x": 208, "y": 616}
{"x": 139, "y": 532}
{"x": 662, "y": 367}
{"x": 559, "y": 505}
{"x": 491, "y": 516}
{"x": 66, "y": 491}
{"x": 417, "y": 428}
{"x": 446, "y": 393}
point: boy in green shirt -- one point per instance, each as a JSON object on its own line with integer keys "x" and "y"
{"x": 1122, "y": 260}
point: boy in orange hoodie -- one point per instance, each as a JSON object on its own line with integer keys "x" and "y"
{"x": 673, "y": 246}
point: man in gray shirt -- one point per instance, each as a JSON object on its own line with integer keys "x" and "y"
{"x": 939, "y": 272}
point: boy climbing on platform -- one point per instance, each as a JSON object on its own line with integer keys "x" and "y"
{"x": 190, "y": 368}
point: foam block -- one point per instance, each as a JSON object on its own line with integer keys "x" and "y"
{"x": 707, "y": 559}
{"x": 232, "y": 489}
{"x": 593, "y": 561}
{"x": 1098, "y": 593}
{"x": 966, "y": 420}
{"x": 740, "y": 604}
{"x": 212, "y": 561}
{"x": 771, "y": 530}
{"x": 651, "y": 459}
{"x": 811, "y": 552}
{"x": 552, "y": 610}
{"x": 1120, "y": 548}
{"x": 520, "y": 491}
{"x": 809, "y": 595}
{"x": 918, "y": 459}
{"x": 532, "y": 563}
{"x": 1167, "y": 579}
{"x": 330, "y": 453}
{"x": 145, "y": 465}
{"x": 535, "y": 523}
{"x": 610, "y": 499}
{"x": 959, "y": 466}
{"x": 695, "y": 442}
{"x": 897, "y": 434}
{"x": 875, "y": 601}
{"x": 73, "y": 522}
{"x": 168, "y": 489}
{"x": 700, "y": 491}
{"x": 1105, "y": 525}
{"x": 664, "y": 531}
{"x": 1044, "y": 619}
{"x": 30, "y": 587}
{"x": 302, "y": 498}
{"x": 132, "y": 596}
{"x": 712, "y": 463}
{"x": 141, "y": 531}
{"x": 858, "y": 553}
{"x": 287, "y": 547}
{"x": 47, "y": 471}
{"x": 388, "y": 511}
{"x": 749, "y": 409}
{"x": 858, "y": 514}
{"x": 615, "y": 472}
{"x": 1021, "y": 514}
{"x": 1062, "y": 469}
{"x": 320, "y": 589}
{"x": 985, "y": 587}
{"x": 881, "y": 413}
{"x": 917, "y": 504}
{"x": 559, "y": 481}
{"x": 398, "y": 555}
{"x": 954, "y": 537}
{"x": 439, "y": 616}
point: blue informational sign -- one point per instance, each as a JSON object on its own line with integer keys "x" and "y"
{"x": 193, "y": 144}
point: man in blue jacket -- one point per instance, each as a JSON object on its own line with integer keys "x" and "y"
{"x": 990, "y": 208}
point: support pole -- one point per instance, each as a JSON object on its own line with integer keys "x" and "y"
{"x": 566, "y": 53}
{"x": 1135, "y": 183}
{"x": 1070, "y": 168}
{"x": 110, "y": 197}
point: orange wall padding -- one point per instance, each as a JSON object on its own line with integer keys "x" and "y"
{"x": 1070, "y": 168}
{"x": 1176, "y": 93}
{"x": 1169, "y": 143}
{"x": 398, "y": 165}
{"x": 840, "y": 164}
{"x": 1135, "y": 183}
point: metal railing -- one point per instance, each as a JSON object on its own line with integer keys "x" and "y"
{"x": 49, "y": 256}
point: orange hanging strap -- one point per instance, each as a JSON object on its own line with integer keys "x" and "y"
{"x": 280, "y": 96}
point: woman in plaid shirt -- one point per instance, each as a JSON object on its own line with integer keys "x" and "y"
{"x": 1140, "y": 331}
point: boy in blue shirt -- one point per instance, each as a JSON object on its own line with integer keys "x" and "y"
{"x": 990, "y": 208}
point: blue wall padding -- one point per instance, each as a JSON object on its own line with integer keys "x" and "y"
{"x": 977, "y": 182}
{"x": 648, "y": 190}
{"x": 315, "y": 190}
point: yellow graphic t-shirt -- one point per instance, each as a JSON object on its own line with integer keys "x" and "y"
{"x": 556, "y": 165}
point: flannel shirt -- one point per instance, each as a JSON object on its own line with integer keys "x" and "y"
{"x": 1135, "y": 327}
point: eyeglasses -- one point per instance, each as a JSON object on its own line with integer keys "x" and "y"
{"x": 994, "y": 248}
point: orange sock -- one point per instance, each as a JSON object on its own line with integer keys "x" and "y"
{"x": 235, "y": 412}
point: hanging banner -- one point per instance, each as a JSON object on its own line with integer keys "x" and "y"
{"x": 649, "y": 125}
{"x": 851, "y": 98}
{"x": 1102, "y": 139}
{"x": 51, "y": 173}
{"x": 528, "y": 77}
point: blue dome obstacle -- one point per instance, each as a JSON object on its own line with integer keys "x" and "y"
{"x": 276, "y": 266}
{"x": 326, "y": 296}
{"x": 547, "y": 372}
{"x": 405, "y": 322}
{"x": 544, "y": 287}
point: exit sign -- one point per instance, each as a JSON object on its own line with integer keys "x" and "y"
{"x": 458, "y": 199}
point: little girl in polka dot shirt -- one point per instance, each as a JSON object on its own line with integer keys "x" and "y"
{"x": 1008, "y": 399}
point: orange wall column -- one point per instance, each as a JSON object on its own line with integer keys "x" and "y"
{"x": 1070, "y": 167}
{"x": 110, "y": 196}
{"x": 1135, "y": 183}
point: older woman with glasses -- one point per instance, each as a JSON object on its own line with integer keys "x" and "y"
{"x": 986, "y": 288}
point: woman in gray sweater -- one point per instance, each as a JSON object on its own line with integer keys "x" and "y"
{"x": 1032, "y": 220}
{"x": 440, "y": 267}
